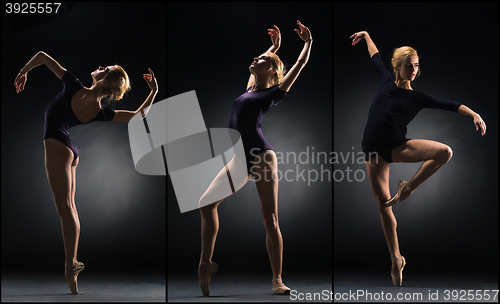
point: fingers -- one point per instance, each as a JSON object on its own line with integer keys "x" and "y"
{"x": 19, "y": 85}
{"x": 273, "y": 32}
{"x": 481, "y": 125}
{"x": 149, "y": 76}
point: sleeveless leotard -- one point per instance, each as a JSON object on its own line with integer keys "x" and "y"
{"x": 59, "y": 116}
{"x": 392, "y": 109}
{"x": 246, "y": 116}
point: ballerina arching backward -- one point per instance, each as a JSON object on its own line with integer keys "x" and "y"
{"x": 384, "y": 139}
{"x": 266, "y": 87}
{"x": 74, "y": 105}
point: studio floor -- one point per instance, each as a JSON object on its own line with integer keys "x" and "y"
{"x": 92, "y": 288}
{"x": 417, "y": 287}
{"x": 249, "y": 288}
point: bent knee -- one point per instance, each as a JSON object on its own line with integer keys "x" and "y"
{"x": 446, "y": 153}
{"x": 208, "y": 209}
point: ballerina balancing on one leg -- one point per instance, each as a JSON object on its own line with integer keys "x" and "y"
{"x": 266, "y": 87}
{"x": 384, "y": 140}
{"x": 74, "y": 105}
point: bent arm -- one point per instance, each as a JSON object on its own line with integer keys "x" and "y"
{"x": 276, "y": 40}
{"x": 372, "y": 48}
{"x": 125, "y": 116}
{"x": 42, "y": 58}
{"x": 294, "y": 72}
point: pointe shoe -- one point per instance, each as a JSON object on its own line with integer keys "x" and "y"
{"x": 397, "y": 278}
{"x": 71, "y": 275}
{"x": 281, "y": 290}
{"x": 204, "y": 278}
{"x": 397, "y": 197}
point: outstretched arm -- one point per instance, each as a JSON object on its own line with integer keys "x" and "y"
{"x": 276, "y": 40}
{"x": 304, "y": 34}
{"x": 39, "y": 59}
{"x": 372, "y": 48}
{"x": 478, "y": 121}
{"x": 124, "y": 115}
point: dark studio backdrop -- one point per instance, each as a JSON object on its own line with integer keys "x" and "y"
{"x": 210, "y": 47}
{"x": 450, "y": 223}
{"x": 122, "y": 213}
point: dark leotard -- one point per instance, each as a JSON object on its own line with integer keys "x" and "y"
{"x": 246, "y": 117}
{"x": 392, "y": 109}
{"x": 59, "y": 116}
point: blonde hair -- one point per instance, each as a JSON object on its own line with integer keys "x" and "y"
{"x": 119, "y": 82}
{"x": 278, "y": 65}
{"x": 400, "y": 55}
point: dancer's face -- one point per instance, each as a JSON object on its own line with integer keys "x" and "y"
{"x": 260, "y": 64}
{"x": 409, "y": 68}
{"x": 101, "y": 72}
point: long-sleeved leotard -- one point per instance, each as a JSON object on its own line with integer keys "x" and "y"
{"x": 392, "y": 109}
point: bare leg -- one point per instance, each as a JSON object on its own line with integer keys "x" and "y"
{"x": 378, "y": 175}
{"x": 210, "y": 216}
{"x": 266, "y": 180}
{"x": 61, "y": 174}
{"x": 60, "y": 167}
{"x": 432, "y": 153}
{"x": 210, "y": 226}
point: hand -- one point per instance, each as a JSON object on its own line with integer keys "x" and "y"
{"x": 151, "y": 80}
{"x": 20, "y": 82}
{"x": 357, "y": 37}
{"x": 480, "y": 124}
{"x": 304, "y": 33}
{"x": 275, "y": 36}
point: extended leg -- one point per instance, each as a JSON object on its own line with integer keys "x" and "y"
{"x": 378, "y": 175}
{"x": 266, "y": 180}
{"x": 59, "y": 169}
{"x": 61, "y": 173}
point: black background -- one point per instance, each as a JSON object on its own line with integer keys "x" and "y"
{"x": 451, "y": 221}
{"x": 210, "y": 47}
{"x": 122, "y": 213}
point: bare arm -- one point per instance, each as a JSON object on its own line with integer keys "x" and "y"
{"x": 276, "y": 40}
{"x": 37, "y": 60}
{"x": 478, "y": 121}
{"x": 124, "y": 115}
{"x": 372, "y": 48}
{"x": 304, "y": 34}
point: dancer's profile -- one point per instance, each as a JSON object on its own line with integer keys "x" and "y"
{"x": 74, "y": 105}
{"x": 267, "y": 86}
{"x": 384, "y": 139}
